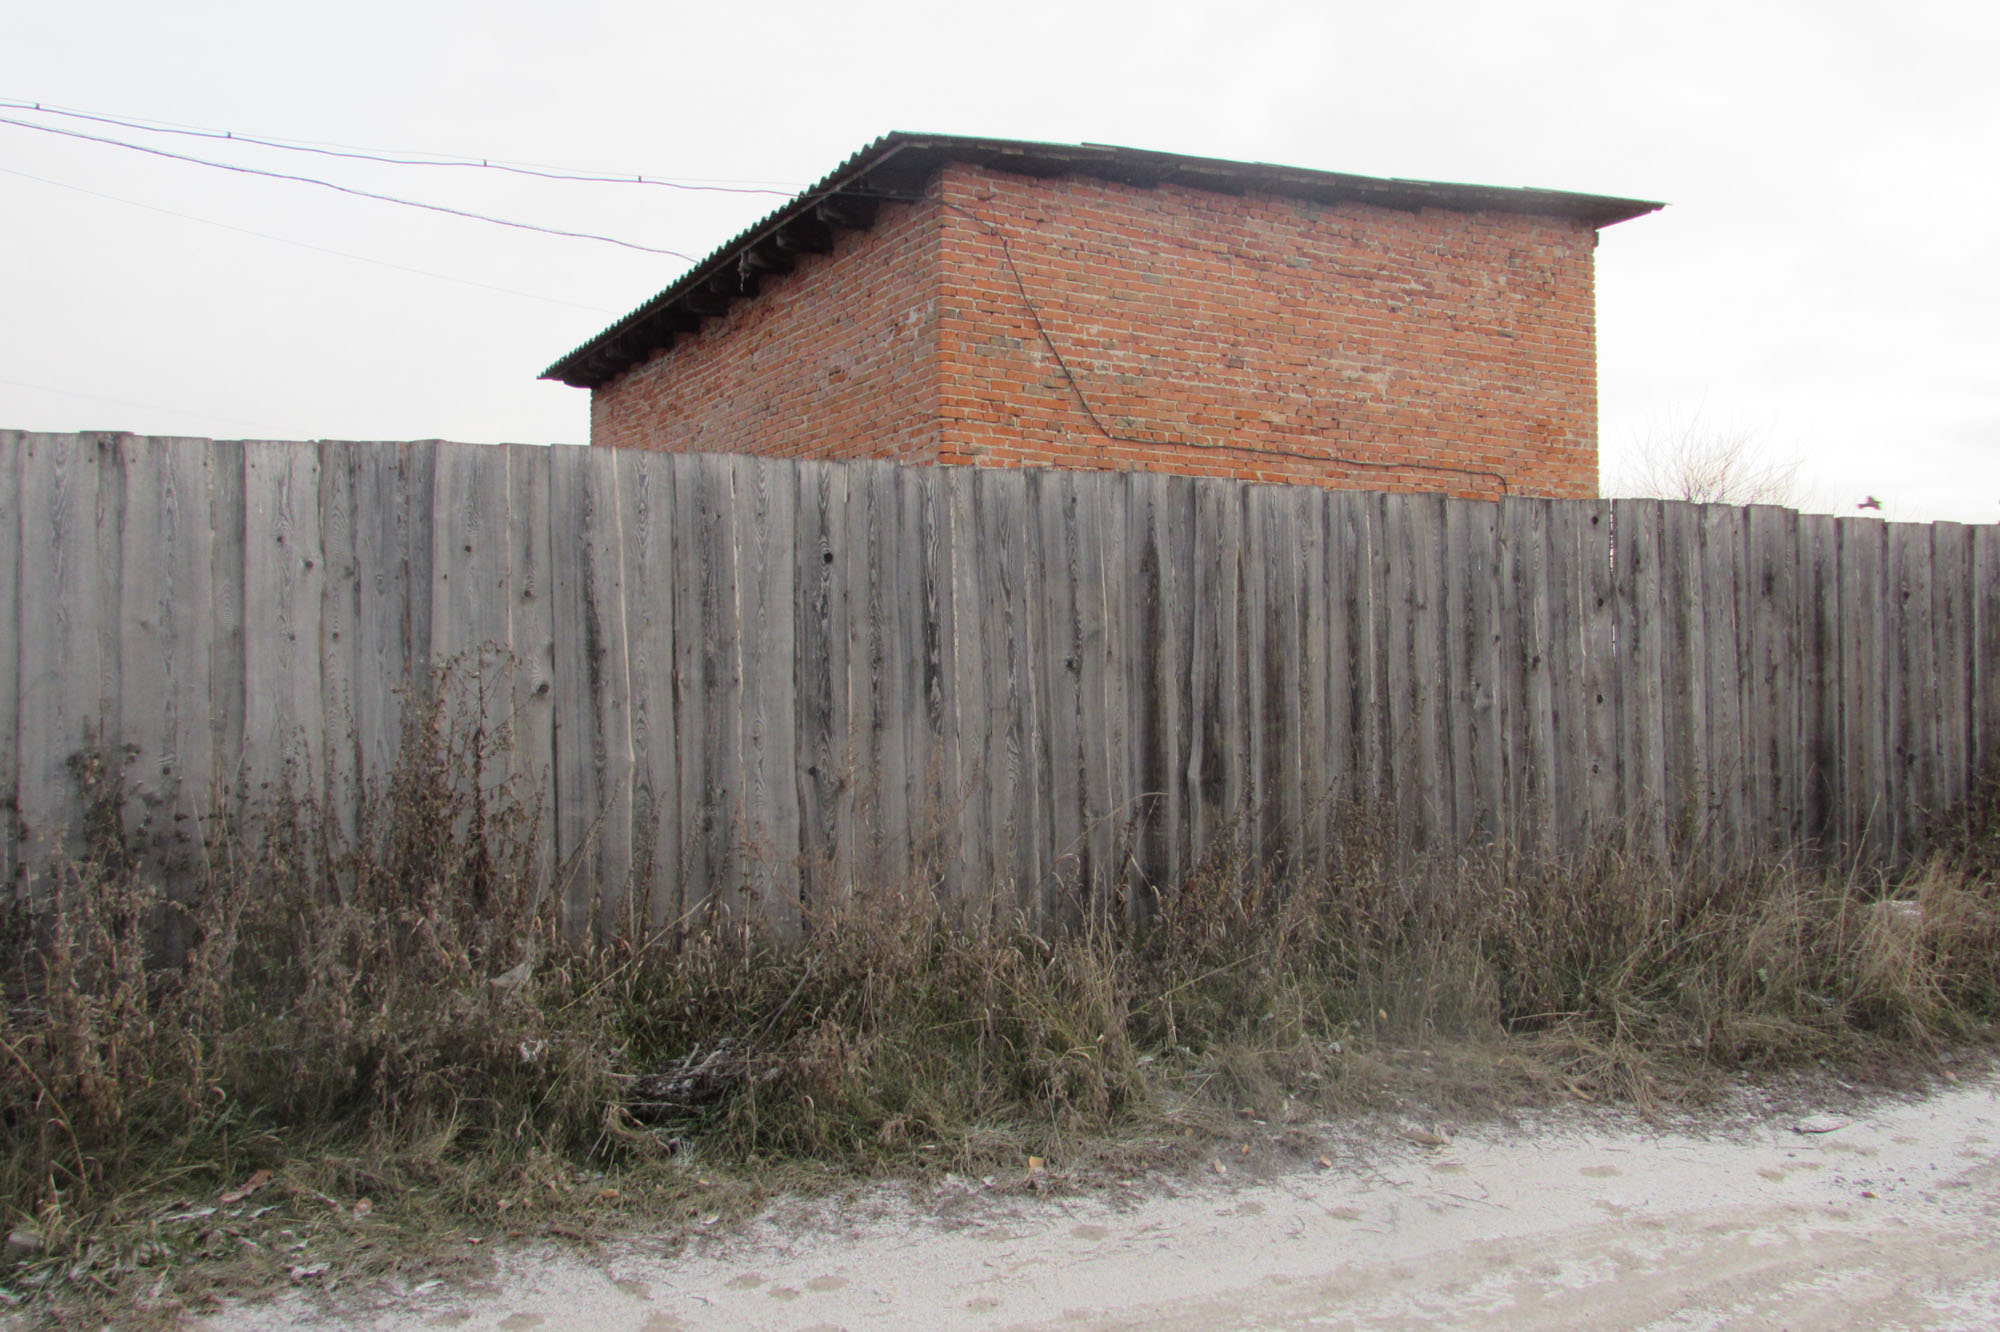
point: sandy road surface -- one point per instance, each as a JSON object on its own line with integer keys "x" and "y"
{"x": 1882, "y": 1218}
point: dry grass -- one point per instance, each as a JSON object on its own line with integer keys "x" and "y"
{"x": 386, "y": 1021}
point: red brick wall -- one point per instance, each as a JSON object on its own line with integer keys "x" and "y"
{"x": 837, "y": 359}
{"x": 1215, "y": 332}
{"x": 1212, "y": 334}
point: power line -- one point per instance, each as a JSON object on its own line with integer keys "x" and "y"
{"x": 130, "y": 402}
{"x": 383, "y": 156}
{"x": 344, "y": 189}
{"x": 303, "y": 245}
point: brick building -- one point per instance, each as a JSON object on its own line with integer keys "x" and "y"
{"x": 955, "y": 300}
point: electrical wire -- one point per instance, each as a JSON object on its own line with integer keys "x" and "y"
{"x": 345, "y": 189}
{"x": 201, "y": 413}
{"x": 383, "y": 156}
{"x": 304, "y": 245}
{"x": 1090, "y": 413}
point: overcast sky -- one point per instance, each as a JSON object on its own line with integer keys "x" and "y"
{"x": 1822, "y": 283}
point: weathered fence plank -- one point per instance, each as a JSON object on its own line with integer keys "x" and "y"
{"x": 1684, "y": 678}
{"x": 819, "y": 638}
{"x": 1821, "y": 778}
{"x": 765, "y": 565}
{"x": 1986, "y": 651}
{"x": 531, "y": 631}
{"x": 12, "y": 450}
{"x": 593, "y": 737}
{"x": 1913, "y": 718}
{"x": 650, "y": 578}
{"x": 165, "y": 622}
{"x": 1951, "y": 618}
{"x": 743, "y": 688}
{"x": 1598, "y": 614}
{"x": 1722, "y": 672}
{"x": 62, "y": 672}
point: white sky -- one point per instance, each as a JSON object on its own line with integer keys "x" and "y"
{"x": 1822, "y": 282}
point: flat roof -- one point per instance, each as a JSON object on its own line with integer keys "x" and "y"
{"x": 898, "y": 166}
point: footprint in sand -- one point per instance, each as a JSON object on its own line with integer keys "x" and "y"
{"x": 822, "y": 1284}
{"x": 662, "y": 1322}
{"x": 748, "y": 1281}
{"x": 785, "y": 1293}
{"x": 1599, "y": 1171}
{"x": 521, "y": 1322}
{"x": 636, "y": 1290}
{"x": 983, "y": 1304}
{"x": 1088, "y": 1233}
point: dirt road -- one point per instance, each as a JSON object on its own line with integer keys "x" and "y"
{"x": 1885, "y": 1217}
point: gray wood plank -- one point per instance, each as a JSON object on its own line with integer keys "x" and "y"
{"x": 1216, "y": 759}
{"x": 1867, "y": 820}
{"x": 766, "y": 558}
{"x": 1100, "y": 513}
{"x": 1178, "y": 574}
{"x": 972, "y": 874}
{"x": 1525, "y": 621}
{"x": 531, "y": 632}
{"x": 340, "y": 630}
{"x": 13, "y": 448}
{"x": 925, "y": 614}
{"x": 62, "y": 708}
{"x": 1683, "y": 689}
{"x": 1771, "y": 688}
{"x": 1151, "y": 696}
{"x": 1425, "y": 515}
{"x": 1642, "y": 766}
{"x": 1406, "y": 767}
{"x": 1722, "y": 635}
{"x": 1461, "y": 683}
{"x": 593, "y": 738}
{"x": 470, "y": 603}
{"x": 1820, "y": 776}
{"x": 1952, "y": 617}
{"x": 1568, "y": 676}
{"x": 164, "y": 622}
{"x": 284, "y": 576}
{"x": 1319, "y": 768}
{"x": 707, "y": 637}
{"x": 876, "y": 676}
{"x": 646, "y": 532}
{"x": 1986, "y": 652}
{"x": 1913, "y": 706}
{"x": 1597, "y": 617}
{"x": 1017, "y": 819}
{"x": 1055, "y": 567}
{"x": 820, "y": 636}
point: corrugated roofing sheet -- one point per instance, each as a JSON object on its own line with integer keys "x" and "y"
{"x": 897, "y": 166}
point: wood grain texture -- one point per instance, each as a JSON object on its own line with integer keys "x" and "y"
{"x": 646, "y": 523}
{"x": 1868, "y": 819}
{"x": 766, "y": 564}
{"x": 531, "y": 629}
{"x": 1986, "y": 650}
{"x": 740, "y": 689}
{"x": 593, "y": 758}
{"x": 13, "y": 446}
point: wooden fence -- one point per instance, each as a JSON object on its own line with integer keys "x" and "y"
{"x": 749, "y": 683}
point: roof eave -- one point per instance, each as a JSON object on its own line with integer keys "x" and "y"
{"x": 897, "y": 166}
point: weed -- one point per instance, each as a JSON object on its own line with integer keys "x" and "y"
{"x": 376, "y": 1032}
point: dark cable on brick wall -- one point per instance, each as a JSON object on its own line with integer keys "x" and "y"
{"x": 1090, "y": 413}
